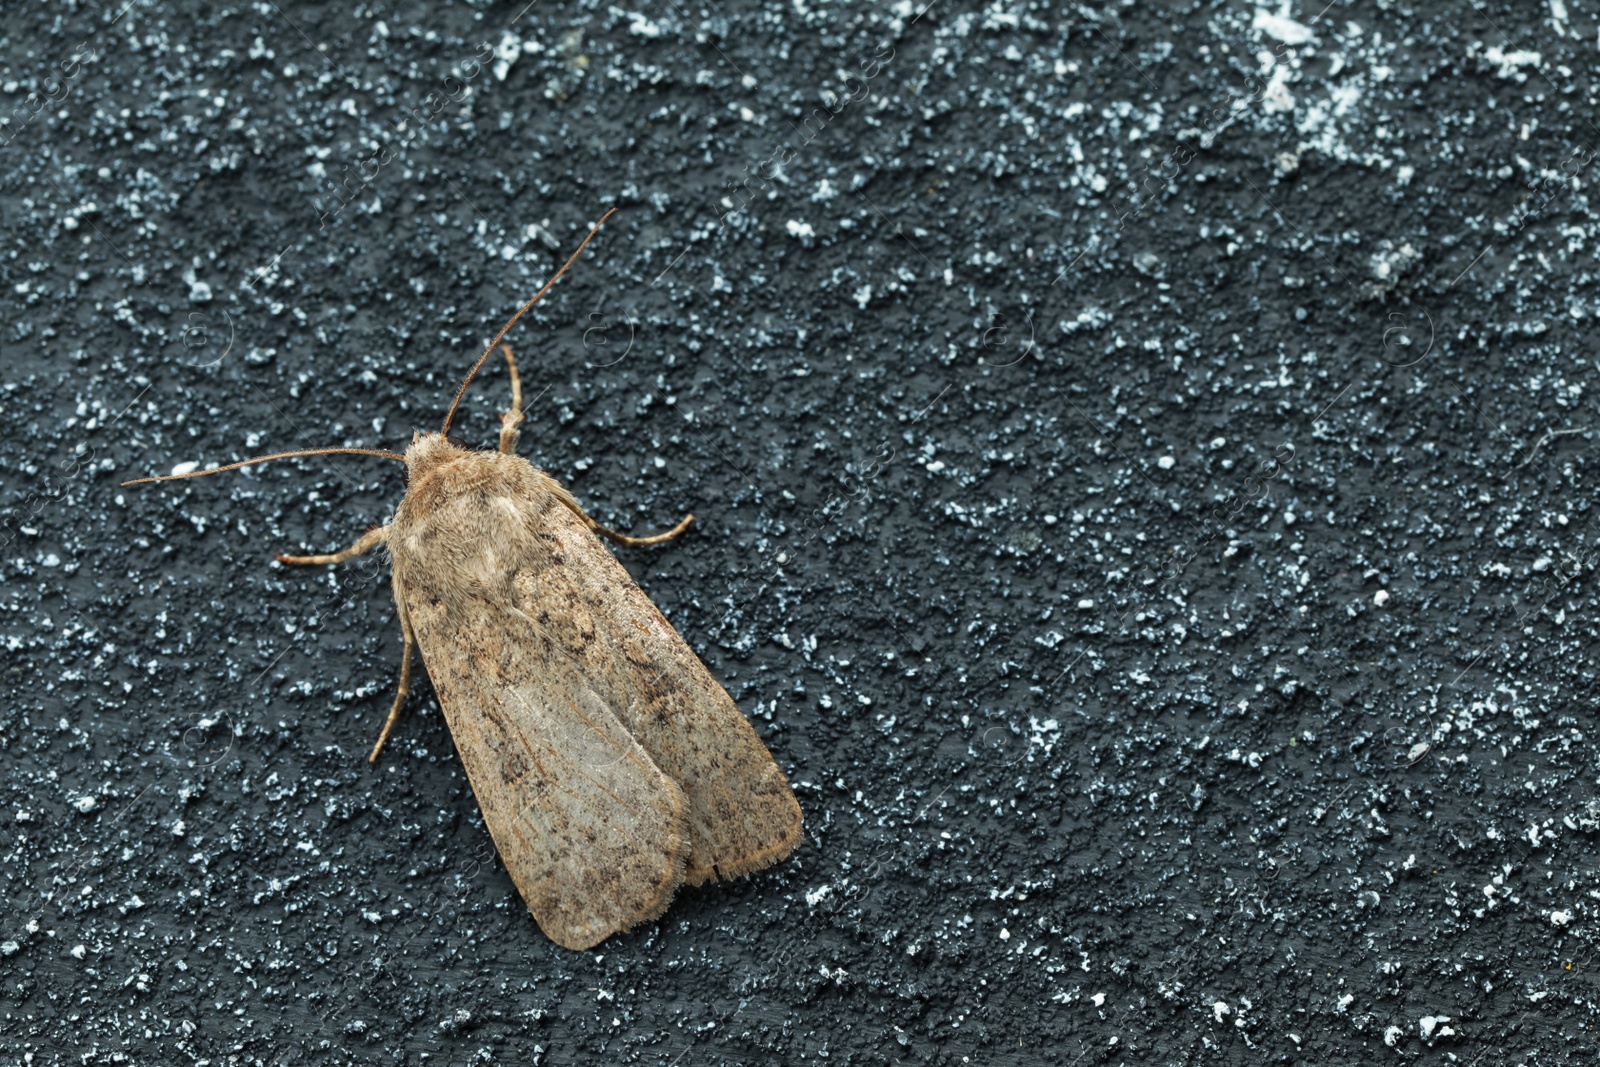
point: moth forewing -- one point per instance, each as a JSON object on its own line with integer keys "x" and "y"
{"x": 742, "y": 813}
{"x": 592, "y": 833}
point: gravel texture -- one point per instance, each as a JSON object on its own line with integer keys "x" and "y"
{"x": 1143, "y": 464}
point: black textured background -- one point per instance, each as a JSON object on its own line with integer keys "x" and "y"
{"x": 1144, "y": 467}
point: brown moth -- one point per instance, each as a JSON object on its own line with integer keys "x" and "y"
{"x": 610, "y": 767}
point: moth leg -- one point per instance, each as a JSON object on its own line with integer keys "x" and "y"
{"x": 375, "y": 536}
{"x": 639, "y": 542}
{"x": 611, "y": 535}
{"x": 405, "y": 686}
{"x": 513, "y": 416}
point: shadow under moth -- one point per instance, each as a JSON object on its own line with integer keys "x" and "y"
{"x": 611, "y": 768}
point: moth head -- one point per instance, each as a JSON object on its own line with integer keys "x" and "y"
{"x": 459, "y": 442}
{"x": 429, "y": 450}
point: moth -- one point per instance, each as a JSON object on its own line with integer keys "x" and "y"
{"x": 610, "y": 766}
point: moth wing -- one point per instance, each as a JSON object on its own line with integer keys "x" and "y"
{"x": 591, "y": 830}
{"x": 742, "y": 815}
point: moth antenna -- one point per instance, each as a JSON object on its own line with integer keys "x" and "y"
{"x": 473, "y": 373}
{"x": 276, "y": 455}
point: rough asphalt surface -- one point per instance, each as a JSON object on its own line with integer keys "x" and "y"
{"x": 1142, "y": 460}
